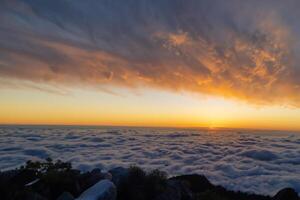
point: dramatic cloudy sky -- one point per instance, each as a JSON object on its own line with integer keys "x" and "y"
{"x": 241, "y": 50}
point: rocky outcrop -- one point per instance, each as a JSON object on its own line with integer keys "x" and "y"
{"x": 286, "y": 194}
{"x": 202, "y": 189}
{"x": 103, "y": 190}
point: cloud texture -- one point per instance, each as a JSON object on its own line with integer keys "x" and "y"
{"x": 252, "y": 161}
{"x": 245, "y": 50}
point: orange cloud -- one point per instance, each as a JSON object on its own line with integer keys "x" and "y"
{"x": 243, "y": 58}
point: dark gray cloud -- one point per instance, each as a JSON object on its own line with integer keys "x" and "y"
{"x": 246, "y": 50}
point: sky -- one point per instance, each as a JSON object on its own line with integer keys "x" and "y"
{"x": 195, "y": 63}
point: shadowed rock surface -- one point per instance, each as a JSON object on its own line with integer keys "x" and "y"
{"x": 286, "y": 193}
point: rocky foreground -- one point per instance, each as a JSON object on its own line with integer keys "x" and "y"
{"x": 59, "y": 181}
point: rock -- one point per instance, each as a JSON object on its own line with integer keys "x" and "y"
{"x": 118, "y": 174}
{"x": 103, "y": 190}
{"x": 286, "y": 194}
{"x": 66, "y": 196}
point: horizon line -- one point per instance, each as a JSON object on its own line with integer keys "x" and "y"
{"x": 156, "y": 127}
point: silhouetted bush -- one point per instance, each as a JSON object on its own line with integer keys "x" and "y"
{"x": 48, "y": 165}
{"x": 141, "y": 185}
{"x": 46, "y": 179}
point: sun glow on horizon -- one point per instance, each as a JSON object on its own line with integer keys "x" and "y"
{"x": 151, "y": 108}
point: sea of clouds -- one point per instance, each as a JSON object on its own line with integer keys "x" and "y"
{"x": 253, "y": 161}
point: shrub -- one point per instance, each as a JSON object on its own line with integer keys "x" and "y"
{"x": 140, "y": 185}
{"x": 51, "y": 179}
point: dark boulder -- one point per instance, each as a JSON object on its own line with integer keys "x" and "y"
{"x": 286, "y": 194}
{"x": 202, "y": 189}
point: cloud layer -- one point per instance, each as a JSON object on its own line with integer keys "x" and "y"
{"x": 244, "y": 50}
{"x": 259, "y": 162}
